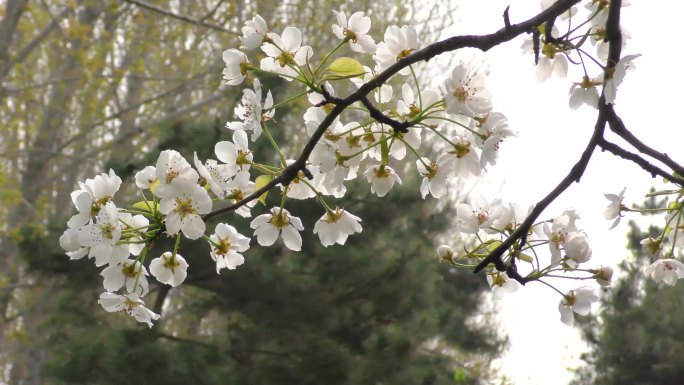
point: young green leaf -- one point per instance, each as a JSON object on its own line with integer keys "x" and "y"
{"x": 261, "y": 181}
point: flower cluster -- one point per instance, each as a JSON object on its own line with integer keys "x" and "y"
{"x": 556, "y": 49}
{"x": 487, "y": 222}
{"x": 450, "y": 133}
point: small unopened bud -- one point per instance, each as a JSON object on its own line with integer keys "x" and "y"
{"x": 446, "y": 253}
{"x": 651, "y": 247}
{"x": 603, "y": 275}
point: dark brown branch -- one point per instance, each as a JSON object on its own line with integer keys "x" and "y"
{"x": 618, "y": 127}
{"x": 614, "y": 37}
{"x": 573, "y": 176}
{"x": 185, "y": 340}
{"x": 188, "y": 19}
{"x": 482, "y": 42}
{"x": 643, "y": 163}
{"x": 507, "y": 19}
{"x": 161, "y": 297}
{"x": 382, "y": 118}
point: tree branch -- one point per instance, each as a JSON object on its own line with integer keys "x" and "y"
{"x": 144, "y": 125}
{"x": 643, "y": 163}
{"x": 482, "y": 42}
{"x": 42, "y": 35}
{"x": 618, "y": 127}
{"x": 382, "y": 118}
{"x": 188, "y": 19}
{"x": 87, "y": 130}
{"x": 614, "y": 37}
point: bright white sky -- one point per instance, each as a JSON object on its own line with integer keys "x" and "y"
{"x": 551, "y": 138}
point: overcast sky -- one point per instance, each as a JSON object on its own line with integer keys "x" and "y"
{"x": 551, "y": 138}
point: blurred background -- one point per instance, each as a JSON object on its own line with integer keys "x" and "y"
{"x": 86, "y": 86}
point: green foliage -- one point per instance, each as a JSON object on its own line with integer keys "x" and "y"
{"x": 361, "y": 313}
{"x": 357, "y": 314}
{"x": 109, "y": 87}
{"x": 637, "y": 339}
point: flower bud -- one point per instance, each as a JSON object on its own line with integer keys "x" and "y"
{"x": 445, "y": 252}
{"x": 652, "y": 247}
{"x": 603, "y": 275}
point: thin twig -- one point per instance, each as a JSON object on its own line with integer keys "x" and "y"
{"x": 618, "y": 127}
{"x": 643, "y": 163}
{"x": 188, "y": 19}
{"x": 482, "y": 42}
{"x": 614, "y": 37}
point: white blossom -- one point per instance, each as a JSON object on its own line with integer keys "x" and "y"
{"x": 600, "y": 8}
{"x": 500, "y": 284}
{"x": 479, "y": 214}
{"x": 129, "y": 273}
{"x": 313, "y": 118}
{"x": 92, "y": 195}
{"x": 253, "y": 33}
{"x": 268, "y": 227}
{"x": 237, "y": 189}
{"x": 172, "y": 166}
{"x": 435, "y": 176}
{"x": 466, "y": 93}
{"x": 356, "y": 30}
{"x": 603, "y": 276}
{"x": 146, "y": 177}
{"x": 614, "y": 208}
{"x": 300, "y": 187}
{"x": 584, "y": 93}
{"x": 169, "y": 268}
{"x": 445, "y": 252}
{"x": 213, "y": 175}
{"x": 558, "y": 232}
{"x": 465, "y": 162}
{"x": 70, "y": 243}
{"x": 492, "y": 128}
{"x": 236, "y": 154}
{"x": 285, "y": 53}
{"x": 551, "y": 62}
{"x": 565, "y": 15}
{"x": 666, "y": 270}
{"x": 335, "y": 226}
{"x": 614, "y": 80}
{"x": 101, "y": 236}
{"x": 184, "y": 209}
{"x": 381, "y": 178}
{"x": 129, "y": 303}
{"x": 226, "y": 247}
{"x": 237, "y": 66}
{"x": 577, "y": 249}
{"x": 652, "y": 247}
{"x": 578, "y": 301}
{"x": 398, "y": 43}
{"x": 250, "y": 111}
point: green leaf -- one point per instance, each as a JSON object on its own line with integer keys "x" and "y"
{"x": 525, "y": 257}
{"x": 150, "y": 206}
{"x": 460, "y": 376}
{"x": 493, "y": 245}
{"x": 345, "y": 67}
{"x": 261, "y": 181}
{"x": 153, "y": 186}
